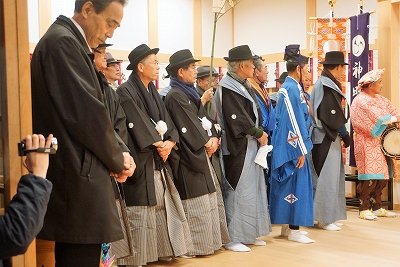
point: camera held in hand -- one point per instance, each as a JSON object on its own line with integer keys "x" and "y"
{"x": 22, "y": 151}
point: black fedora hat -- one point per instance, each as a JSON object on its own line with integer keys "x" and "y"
{"x": 334, "y": 58}
{"x": 241, "y": 52}
{"x": 282, "y": 78}
{"x": 179, "y": 59}
{"x": 139, "y": 53}
{"x": 204, "y": 71}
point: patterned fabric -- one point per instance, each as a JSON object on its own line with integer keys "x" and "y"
{"x": 122, "y": 248}
{"x": 325, "y": 34}
{"x": 370, "y": 77}
{"x": 367, "y": 114}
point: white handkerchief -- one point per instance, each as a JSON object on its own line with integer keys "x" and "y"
{"x": 261, "y": 157}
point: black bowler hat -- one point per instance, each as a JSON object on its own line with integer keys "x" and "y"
{"x": 241, "y": 52}
{"x": 111, "y": 59}
{"x": 139, "y": 53}
{"x": 334, "y": 58}
{"x": 204, "y": 71}
{"x": 179, "y": 59}
{"x": 101, "y": 45}
{"x": 282, "y": 78}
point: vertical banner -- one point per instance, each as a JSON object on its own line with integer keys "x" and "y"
{"x": 359, "y": 57}
{"x": 330, "y": 38}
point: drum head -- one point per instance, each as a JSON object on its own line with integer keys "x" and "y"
{"x": 390, "y": 142}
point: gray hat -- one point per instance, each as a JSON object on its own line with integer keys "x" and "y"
{"x": 241, "y": 52}
{"x": 111, "y": 59}
{"x": 204, "y": 71}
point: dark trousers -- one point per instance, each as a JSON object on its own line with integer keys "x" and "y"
{"x": 68, "y": 255}
{"x": 370, "y": 194}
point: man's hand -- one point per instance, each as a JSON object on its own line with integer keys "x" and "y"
{"x": 207, "y": 96}
{"x": 164, "y": 149}
{"x": 300, "y": 161}
{"x": 263, "y": 140}
{"x": 129, "y": 168}
{"x": 212, "y": 146}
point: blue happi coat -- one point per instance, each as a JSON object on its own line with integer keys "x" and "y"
{"x": 291, "y": 200}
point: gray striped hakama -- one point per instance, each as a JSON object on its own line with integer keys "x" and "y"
{"x": 207, "y": 221}
{"x": 123, "y": 248}
{"x": 161, "y": 230}
{"x": 247, "y": 205}
{"x": 329, "y": 197}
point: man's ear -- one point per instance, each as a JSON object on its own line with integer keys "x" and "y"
{"x": 180, "y": 73}
{"x": 87, "y": 8}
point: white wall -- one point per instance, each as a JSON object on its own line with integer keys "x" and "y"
{"x": 175, "y": 25}
{"x": 134, "y": 28}
{"x": 33, "y": 21}
{"x": 268, "y": 26}
{"x": 223, "y": 36}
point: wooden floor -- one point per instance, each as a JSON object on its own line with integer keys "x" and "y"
{"x": 359, "y": 243}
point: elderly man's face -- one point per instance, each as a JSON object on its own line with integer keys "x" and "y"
{"x": 188, "y": 75}
{"x": 262, "y": 75}
{"x": 150, "y": 67}
{"x": 247, "y": 68}
{"x": 100, "y": 59}
{"x": 204, "y": 82}
{"x": 99, "y": 27}
{"x": 306, "y": 82}
{"x": 112, "y": 72}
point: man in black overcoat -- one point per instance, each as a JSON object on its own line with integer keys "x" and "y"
{"x": 67, "y": 101}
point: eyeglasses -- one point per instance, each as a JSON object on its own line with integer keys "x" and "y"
{"x": 115, "y": 65}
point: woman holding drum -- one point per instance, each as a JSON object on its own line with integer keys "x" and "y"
{"x": 371, "y": 114}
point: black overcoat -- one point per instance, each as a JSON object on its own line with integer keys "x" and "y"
{"x": 67, "y": 101}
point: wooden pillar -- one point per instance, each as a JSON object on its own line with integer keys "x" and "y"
{"x": 152, "y": 7}
{"x": 15, "y": 99}
{"x": 198, "y": 30}
{"x": 388, "y": 55}
{"x": 388, "y": 48}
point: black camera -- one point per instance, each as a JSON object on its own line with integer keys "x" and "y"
{"x": 22, "y": 151}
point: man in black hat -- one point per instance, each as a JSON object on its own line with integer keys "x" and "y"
{"x": 281, "y": 79}
{"x": 206, "y": 93}
{"x": 113, "y": 71}
{"x": 123, "y": 247}
{"x": 291, "y": 199}
{"x": 195, "y": 177}
{"x": 152, "y": 135}
{"x": 240, "y": 119}
{"x": 328, "y": 131}
{"x": 67, "y": 101}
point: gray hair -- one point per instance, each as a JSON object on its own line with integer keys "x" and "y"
{"x": 233, "y": 66}
{"x": 258, "y": 64}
